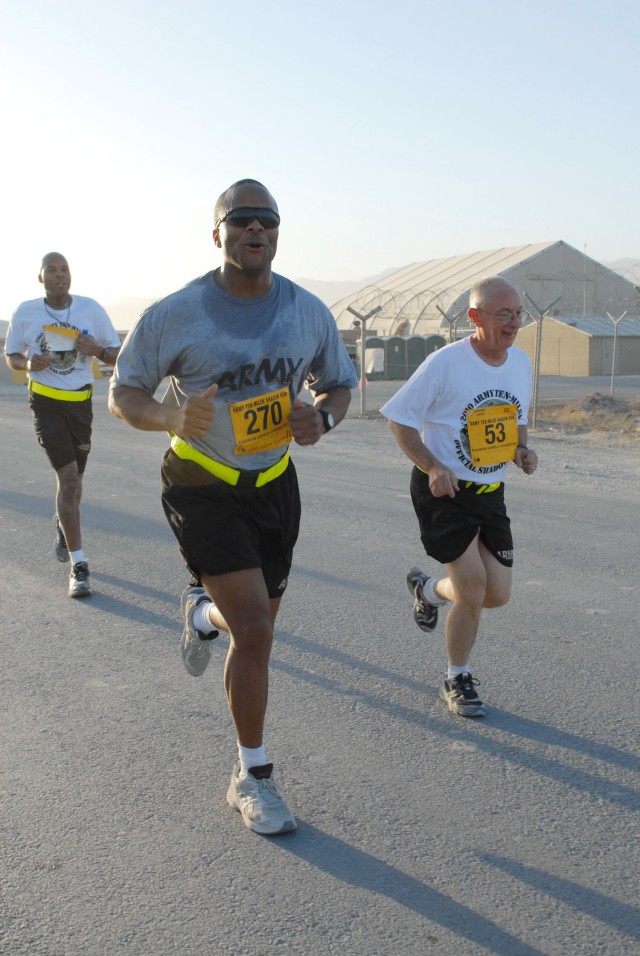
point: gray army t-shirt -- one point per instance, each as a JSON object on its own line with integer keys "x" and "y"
{"x": 250, "y": 347}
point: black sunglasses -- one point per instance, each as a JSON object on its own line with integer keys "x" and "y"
{"x": 244, "y": 215}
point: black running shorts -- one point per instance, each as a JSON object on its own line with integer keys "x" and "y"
{"x": 221, "y": 528}
{"x": 449, "y": 525}
{"x": 63, "y": 429}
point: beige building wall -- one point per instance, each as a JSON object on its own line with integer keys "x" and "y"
{"x": 565, "y": 350}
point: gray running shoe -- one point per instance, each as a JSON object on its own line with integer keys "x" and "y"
{"x": 425, "y": 614}
{"x": 257, "y": 799}
{"x": 195, "y": 647}
{"x": 461, "y": 697}
{"x": 60, "y": 548}
{"x": 79, "y": 584}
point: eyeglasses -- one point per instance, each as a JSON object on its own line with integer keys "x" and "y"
{"x": 505, "y": 316}
{"x": 244, "y": 215}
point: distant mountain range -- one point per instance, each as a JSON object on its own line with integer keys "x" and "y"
{"x": 125, "y": 313}
{"x": 331, "y": 292}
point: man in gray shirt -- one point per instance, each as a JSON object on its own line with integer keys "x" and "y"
{"x": 238, "y": 345}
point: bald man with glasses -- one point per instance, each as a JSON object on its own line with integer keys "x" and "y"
{"x": 461, "y": 419}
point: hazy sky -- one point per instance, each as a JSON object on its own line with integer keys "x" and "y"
{"x": 389, "y": 132}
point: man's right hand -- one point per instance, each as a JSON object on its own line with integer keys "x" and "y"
{"x": 39, "y": 361}
{"x": 194, "y": 417}
{"x": 442, "y": 482}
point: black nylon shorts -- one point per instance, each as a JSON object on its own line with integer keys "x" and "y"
{"x": 63, "y": 429}
{"x": 221, "y": 528}
{"x": 449, "y": 525}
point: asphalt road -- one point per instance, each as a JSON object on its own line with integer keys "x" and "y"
{"x": 419, "y": 832}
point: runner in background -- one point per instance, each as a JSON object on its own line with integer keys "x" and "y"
{"x": 461, "y": 418}
{"x": 55, "y": 340}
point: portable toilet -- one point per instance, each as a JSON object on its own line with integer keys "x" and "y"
{"x": 416, "y": 353}
{"x": 396, "y": 358}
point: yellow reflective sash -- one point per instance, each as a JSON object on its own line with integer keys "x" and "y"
{"x": 58, "y": 393}
{"x": 480, "y": 489}
{"x": 232, "y": 476}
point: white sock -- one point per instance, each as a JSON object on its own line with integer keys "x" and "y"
{"x": 251, "y": 757}
{"x": 75, "y": 556}
{"x": 454, "y": 671}
{"x": 429, "y": 593}
{"x": 201, "y": 619}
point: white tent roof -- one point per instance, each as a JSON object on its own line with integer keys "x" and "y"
{"x": 429, "y": 296}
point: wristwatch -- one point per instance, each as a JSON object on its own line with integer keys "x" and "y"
{"x": 103, "y": 356}
{"x": 327, "y": 418}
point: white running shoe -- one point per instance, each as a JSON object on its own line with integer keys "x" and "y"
{"x": 79, "y": 584}
{"x": 257, "y": 799}
{"x": 195, "y": 647}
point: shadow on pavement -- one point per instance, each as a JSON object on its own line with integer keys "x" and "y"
{"x": 488, "y": 734}
{"x": 613, "y": 913}
{"x": 357, "y": 868}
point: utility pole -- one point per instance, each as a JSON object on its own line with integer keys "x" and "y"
{"x": 538, "y": 350}
{"x": 361, "y": 320}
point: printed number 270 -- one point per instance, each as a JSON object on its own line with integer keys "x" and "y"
{"x": 258, "y": 418}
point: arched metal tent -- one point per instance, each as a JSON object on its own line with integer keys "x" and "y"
{"x": 431, "y": 296}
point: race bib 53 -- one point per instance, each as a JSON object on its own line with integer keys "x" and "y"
{"x": 493, "y": 434}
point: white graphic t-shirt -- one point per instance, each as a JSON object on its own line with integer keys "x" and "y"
{"x": 37, "y": 328}
{"x": 466, "y": 411}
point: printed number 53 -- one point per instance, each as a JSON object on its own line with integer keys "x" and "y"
{"x": 494, "y": 434}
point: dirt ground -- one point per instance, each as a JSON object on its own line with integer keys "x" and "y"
{"x": 594, "y": 418}
{"x": 599, "y": 415}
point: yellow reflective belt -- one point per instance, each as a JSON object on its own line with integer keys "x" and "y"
{"x": 58, "y": 393}
{"x": 483, "y": 489}
{"x": 231, "y": 475}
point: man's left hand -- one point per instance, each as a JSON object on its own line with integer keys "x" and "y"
{"x": 526, "y": 459}
{"x": 306, "y": 423}
{"x": 87, "y": 345}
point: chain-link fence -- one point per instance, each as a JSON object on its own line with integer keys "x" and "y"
{"x": 589, "y": 354}
{"x": 583, "y": 334}
{"x": 602, "y": 356}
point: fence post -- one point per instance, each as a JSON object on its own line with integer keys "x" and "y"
{"x": 538, "y": 349}
{"x": 615, "y": 342}
{"x": 362, "y": 321}
{"x": 453, "y": 322}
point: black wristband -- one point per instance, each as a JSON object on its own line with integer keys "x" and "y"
{"x": 103, "y": 356}
{"x": 526, "y": 447}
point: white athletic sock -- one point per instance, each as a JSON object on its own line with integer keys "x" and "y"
{"x": 454, "y": 671}
{"x": 429, "y": 593}
{"x": 251, "y": 757}
{"x": 201, "y": 619}
{"x": 75, "y": 556}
